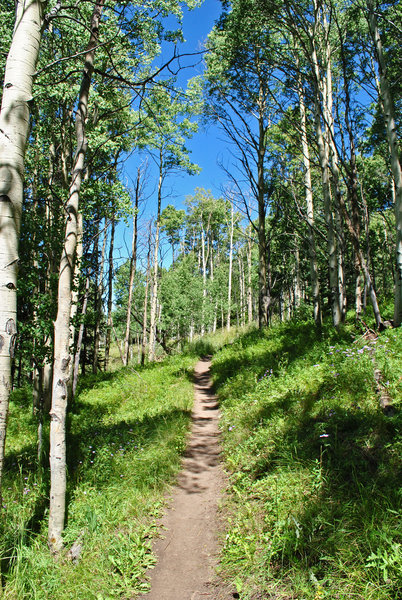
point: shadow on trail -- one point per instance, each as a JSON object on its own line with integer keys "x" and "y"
{"x": 203, "y": 451}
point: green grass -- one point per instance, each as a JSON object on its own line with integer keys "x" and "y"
{"x": 127, "y": 432}
{"x": 314, "y": 501}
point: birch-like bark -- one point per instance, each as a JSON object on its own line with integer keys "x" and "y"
{"x": 109, "y": 295}
{"x": 204, "y": 276}
{"x": 389, "y": 115}
{"x": 62, "y": 353}
{"x": 264, "y": 291}
{"x": 332, "y": 159}
{"x": 242, "y": 283}
{"x": 80, "y": 338}
{"x": 308, "y": 190}
{"x": 154, "y": 294}
{"x": 297, "y": 281}
{"x": 98, "y": 299}
{"x": 323, "y": 158}
{"x": 133, "y": 267}
{"x": 14, "y": 129}
{"x": 249, "y": 281}
{"x": 145, "y": 316}
{"x": 75, "y": 293}
{"x": 230, "y": 266}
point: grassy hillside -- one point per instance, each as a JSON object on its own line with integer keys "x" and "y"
{"x": 313, "y": 506}
{"x": 314, "y": 503}
{"x": 126, "y": 436}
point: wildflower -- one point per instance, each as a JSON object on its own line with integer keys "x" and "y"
{"x": 324, "y": 435}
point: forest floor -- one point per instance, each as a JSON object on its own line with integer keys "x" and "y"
{"x": 188, "y": 545}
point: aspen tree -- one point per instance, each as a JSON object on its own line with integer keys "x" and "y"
{"x": 14, "y": 128}
{"x": 392, "y": 138}
{"x": 62, "y": 352}
{"x": 133, "y": 267}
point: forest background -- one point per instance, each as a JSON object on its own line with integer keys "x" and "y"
{"x": 97, "y": 117}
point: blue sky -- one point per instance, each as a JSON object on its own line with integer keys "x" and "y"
{"x": 206, "y": 147}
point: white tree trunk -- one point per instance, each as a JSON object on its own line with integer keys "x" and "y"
{"x": 62, "y": 353}
{"x": 154, "y": 294}
{"x": 323, "y": 158}
{"x": 80, "y": 338}
{"x": 308, "y": 190}
{"x": 133, "y": 267}
{"x": 145, "y": 316}
{"x": 110, "y": 294}
{"x": 14, "y": 128}
{"x": 230, "y": 266}
{"x": 394, "y": 153}
{"x": 249, "y": 281}
{"x": 204, "y": 278}
{"x": 99, "y": 303}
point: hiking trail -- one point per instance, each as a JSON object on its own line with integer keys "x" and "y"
{"x": 187, "y": 549}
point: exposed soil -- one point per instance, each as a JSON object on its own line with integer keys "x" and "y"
{"x": 187, "y": 550}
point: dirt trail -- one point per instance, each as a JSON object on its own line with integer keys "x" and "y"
{"x": 187, "y": 553}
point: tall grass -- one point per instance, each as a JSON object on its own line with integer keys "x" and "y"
{"x": 125, "y": 440}
{"x": 314, "y": 502}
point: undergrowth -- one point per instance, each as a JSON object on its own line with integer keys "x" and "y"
{"x": 314, "y": 500}
{"x": 127, "y": 432}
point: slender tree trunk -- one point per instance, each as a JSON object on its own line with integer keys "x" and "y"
{"x": 62, "y": 353}
{"x": 363, "y": 264}
{"x": 98, "y": 302}
{"x": 154, "y": 294}
{"x": 297, "y": 282}
{"x": 351, "y": 172}
{"x": 204, "y": 277}
{"x": 109, "y": 295}
{"x": 264, "y": 299}
{"x": 332, "y": 159}
{"x": 14, "y": 129}
{"x": 308, "y": 190}
{"x": 389, "y": 115}
{"x": 331, "y": 243}
{"x": 230, "y": 266}
{"x": 242, "y": 285}
{"x": 80, "y": 338}
{"x": 75, "y": 292}
{"x": 133, "y": 267}
{"x": 249, "y": 281}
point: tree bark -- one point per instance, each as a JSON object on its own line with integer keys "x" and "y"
{"x": 389, "y": 115}
{"x": 133, "y": 267}
{"x": 145, "y": 316}
{"x": 14, "y": 129}
{"x": 98, "y": 301}
{"x": 230, "y": 266}
{"x": 308, "y": 190}
{"x": 80, "y": 338}
{"x": 249, "y": 281}
{"x": 62, "y": 352}
{"x": 154, "y": 295}
{"x": 109, "y": 295}
{"x": 323, "y": 158}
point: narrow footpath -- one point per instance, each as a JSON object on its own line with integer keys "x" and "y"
{"x": 187, "y": 550}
